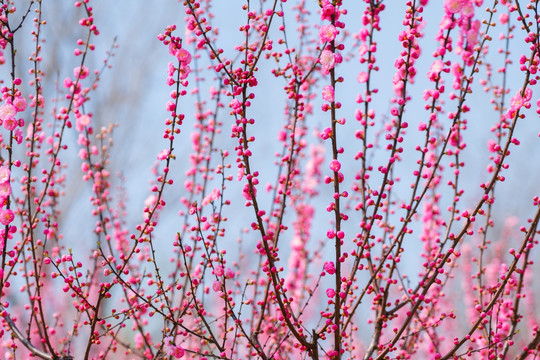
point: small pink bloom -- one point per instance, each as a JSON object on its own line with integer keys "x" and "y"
{"x": 327, "y": 60}
{"x": 492, "y": 145}
{"x": 330, "y": 293}
{"x": 216, "y": 286}
{"x": 5, "y": 189}
{"x": 183, "y": 56}
{"x": 454, "y": 6}
{"x": 327, "y": 33}
{"x": 18, "y": 136}
{"x": 229, "y": 274}
{"x": 171, "y": 349}
{"x": 163, "y": 154}
{"x": 218, "y": 270}
{"x": 503, "y": 18}
{"x": 7, "y": 111}
{"x": 67, "y": 83}
{"x": 10, "y": 123}
{"x": 245, "y": 192}
{"x": 6, "y": 216}
{"x": 82, "y": 122}
{"x": 184, "y": 71}
{"x": 19, "y": 103}
{"x": 528, "y": 94}
{"x": 328, "y": 93}
{"x": 362, "y": 77}
{"x": 171, "y": 106}
{"x": 81, "y": 72}
{"x": 329, "y": 267}
{"x": 4, "y": 174}
{"x": 335, "y": 165}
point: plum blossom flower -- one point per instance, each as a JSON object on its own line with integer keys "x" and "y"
{"x": 327, "y": 60}
{"x": 335, "y": 165}
{"x": 246, "y": 194}
{"x": 183, "y": 56}
{"x": 328, "y": 93}
{"x": 454, "y": 6}
{"x": 81, "y": 72}
{"x": 327, "y": 33}
{"x": 163, "y": 154}
{"x": 7, "y": 111}
{"x": 82, "y": 122}
{"x": 4, "y": 174}
{"x": 218, "y": 270}
{"x": 171, "y": 106}
{"x": 362, "y": 77}
{"x": 329, "y": 267}
{"x": 20, "y": 103}
{"x": 171, "y": 349}
{"x": 5, "y": 190}
{"x": 518, "y": 102}
{"x": 6, "y": 216}
{"x": 10, "y": 123}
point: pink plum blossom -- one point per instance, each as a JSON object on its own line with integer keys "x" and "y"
{"x": 4, "y": 174}
{"x": 328, "y": 93}
{"x": 327, "y": 33}
{"x": 327, "y": 60}
{"x": 7, "y": 111}
{"x": 171, "y": 349}
{"x": 6, "y": 216}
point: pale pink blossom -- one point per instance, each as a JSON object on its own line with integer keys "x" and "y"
{"x": 163, "y": 154}
{"x": 7, "y": 111}
{"x": 327, "y": 60}
{"x": 328, "y": 93}
{"x": 454, "y": 6}
{"x": 327, "y": 33}
{"x": 362, "y": 77}
{"x": 4, "y": 174}
{"x": 5, "y": 189}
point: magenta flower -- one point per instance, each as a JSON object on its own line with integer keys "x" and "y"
{"x": 183, "y": 56}
{"x": 10, "y": 123}
{"x": 81, "y": 72}
{"x": 335, "y": 165}
{"x": 171, "y": 349}
{"x": 518, "y": 102}
{"x": 6, "y": 216}
{"x": 329, "y": 267}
